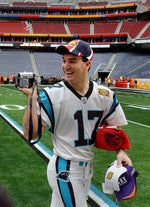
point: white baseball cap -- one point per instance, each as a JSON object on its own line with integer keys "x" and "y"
{"x": 121, "y": 181}
{"x": 111, "y": 178}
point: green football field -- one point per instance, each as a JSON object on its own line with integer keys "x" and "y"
{"x": 23, "y": 171}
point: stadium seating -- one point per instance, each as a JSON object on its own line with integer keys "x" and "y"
{"x": 142, "y": 72}
{"x": 14, "y": 27}
{"x": 99, "y": 62}
{"x": 48, "y": 28}
{"x": 13, "y": 62}
{"x": 79, "y": 28}
{"x": 127, "y": 62}
{"x": 49, "y": 64}
{"x": 146, "y": 33}
{"x": 105, "y": 27}
{"x": 147, "y": 3}
{"x": 133, "y": 27}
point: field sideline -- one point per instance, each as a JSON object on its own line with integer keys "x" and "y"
{"x": 21, "y": 168}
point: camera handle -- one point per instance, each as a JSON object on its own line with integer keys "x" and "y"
{"x": 32, "y": 142}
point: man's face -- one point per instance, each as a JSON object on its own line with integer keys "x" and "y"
{"x": 74, "y": 68}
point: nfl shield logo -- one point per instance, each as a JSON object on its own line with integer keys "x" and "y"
{"x": 84, "y": 100}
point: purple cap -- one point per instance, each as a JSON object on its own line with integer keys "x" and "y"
{"x": 127, "y": 184}
{"x": 121, "y": 181}
{"x": 76, "y": 47}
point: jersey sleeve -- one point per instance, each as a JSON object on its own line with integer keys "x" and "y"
{"x": 115, "y": 115}
{"x": 46, "y": 110}
{"x": 117, "y": 118}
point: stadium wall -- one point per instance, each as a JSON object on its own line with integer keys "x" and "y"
{"x": 131, "y": 83}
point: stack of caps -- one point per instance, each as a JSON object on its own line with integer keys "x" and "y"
{"x": 121, "y": 181}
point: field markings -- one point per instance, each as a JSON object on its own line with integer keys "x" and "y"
{"x": 136, "y": 106}
{"x": 11, "y": 89}
{"x": 143, "y": 125}
{"x": 98, "y": 198}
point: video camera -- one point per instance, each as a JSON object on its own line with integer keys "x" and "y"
{"x": 25, "y": 79}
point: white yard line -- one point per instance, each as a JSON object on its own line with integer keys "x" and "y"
{"x": 133, "y": 122}
{"x": 136, "y": 106}
{"x": 139, "y": 107}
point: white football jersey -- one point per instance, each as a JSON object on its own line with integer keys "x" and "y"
{"x": 73, "y": 119}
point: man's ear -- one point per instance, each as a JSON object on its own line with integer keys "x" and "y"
{"x": 88, "y": 64}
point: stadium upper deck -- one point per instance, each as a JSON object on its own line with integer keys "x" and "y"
{"x": 73, "y": 2}
{"x": 46, "y": 23}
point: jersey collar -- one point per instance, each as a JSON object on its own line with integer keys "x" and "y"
{"x": 77, "y": 94}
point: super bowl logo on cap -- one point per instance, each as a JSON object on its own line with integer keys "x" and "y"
{"x": 109, "y": 175}
{"x": 73, "y": 43}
